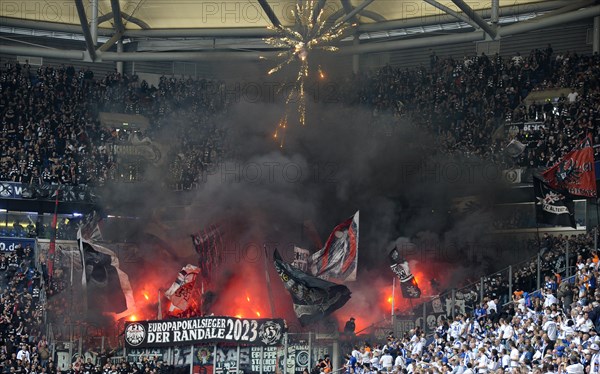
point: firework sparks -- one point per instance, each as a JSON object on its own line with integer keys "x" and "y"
{"x": 309, "y": 33}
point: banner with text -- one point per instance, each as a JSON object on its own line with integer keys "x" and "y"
{"x": 266, "y": 332}
{"x": 11, "y": 244}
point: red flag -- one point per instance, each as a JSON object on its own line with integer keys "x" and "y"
{"x": 575, "y": 173}
{"x": 339, "y": 257}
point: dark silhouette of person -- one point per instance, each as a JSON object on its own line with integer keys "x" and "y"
{"x": 350, "y": 327}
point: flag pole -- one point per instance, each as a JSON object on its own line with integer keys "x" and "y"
{"x": 52, "y": 247}
{"x": 393, "y": 293}
{"x": 393, "y": 298}
{"x": 159, "y": 311}
{"x": 268, "y": 279}
{"x": 202, "y": 300}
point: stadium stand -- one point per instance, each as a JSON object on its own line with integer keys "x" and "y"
{"x": 51, "y": 135}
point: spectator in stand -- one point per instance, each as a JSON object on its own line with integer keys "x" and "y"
{"x": 572, "y": 96}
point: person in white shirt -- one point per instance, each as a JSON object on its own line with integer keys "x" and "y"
{"x": 491, "y": 306}
{"x": 482, "y": 361}
{"x": 550, "y": 299}
{"x": 514, "y": 355}
{"x": 505, "y": 363}
{"x": 418, "y": 347}
{"x": 507, "y": 331}
{"x": 356, "y": 354}
{"x": 551, "y": 328}
{"x": 572, "y": 96}
{"x": 575, "y": 366}
{"x": 387, "y": 361}
{"x": 23, "y": 353}
{"x": 365, "y": 356}
{"x": 376, "y": 359}
{"x": 566, "y": 329}
{"x": 584, "y": 324}
{"x": 399, "y": 363}
{"x": 455, "y": 329}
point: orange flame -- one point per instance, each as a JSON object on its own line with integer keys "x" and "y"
{"x": 389, "y": 299}
{"x": 146, "y": 296}
{"x": 258, "y": 314}
{"x": 133, "y": 318}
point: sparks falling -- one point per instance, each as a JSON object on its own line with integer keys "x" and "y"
{"x": 308, "y": 33}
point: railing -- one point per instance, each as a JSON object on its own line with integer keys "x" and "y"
{"x": 502, "y": 283}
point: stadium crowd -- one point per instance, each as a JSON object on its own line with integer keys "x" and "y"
{"x": 466, "y": 102}
{"x": 552, "y": 330}
{"x": 51, "y": 135}
{"x": 51, "y": 132}
{"x": 23, "y": 348}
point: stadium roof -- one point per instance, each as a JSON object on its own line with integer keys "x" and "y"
{"x": 196, "y": 28}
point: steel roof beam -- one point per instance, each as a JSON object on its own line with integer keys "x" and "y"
{"x": 514, "y": 29}
{"x": 186, "y": 56}
{"x": 43, "y": 52}
{"x": 541, "y": 23}
{"x": 129, "y": 18}
{"x": 460, "y": 17}
{"x": 347, "y": 8}
{"x": 365, "y": 13}
{"x": 110, "y": 42}
{"x": 263, "y": 32}
{"x": 270, "y": 13}
{"x": 116, "y": 10}
{"x": 440, "y": 19}
{"x": 476, "y": 18}
{"x": 355, "y": 11}
{"x": 89, "y": 42}
{"x": 578, "y": 4}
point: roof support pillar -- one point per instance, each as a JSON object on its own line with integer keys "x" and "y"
{"x": 94, "y": 22}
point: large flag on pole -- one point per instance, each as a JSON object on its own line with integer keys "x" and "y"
{"x": 339, "y": 257}
{"x": 408, "y": 283}
{"x": 575, "y": 173}
{"x": 553, "y": 207}
{"x": 180, "y": 291}
{"x": 314, "y": 298}
{"x": 208, "y": 243}
{"x": 106, "y": 287}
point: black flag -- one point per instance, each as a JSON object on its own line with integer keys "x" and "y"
{"x": 106, "y": 287}
{"x": 408, "y": 283}
{"x": 553, "y": 207}
{"x": 313, "y": 297}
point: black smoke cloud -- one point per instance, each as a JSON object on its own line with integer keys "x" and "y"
{"x": 341, "y": 161}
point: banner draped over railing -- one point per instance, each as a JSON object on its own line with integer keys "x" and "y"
{"x": 188, "y": 331}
